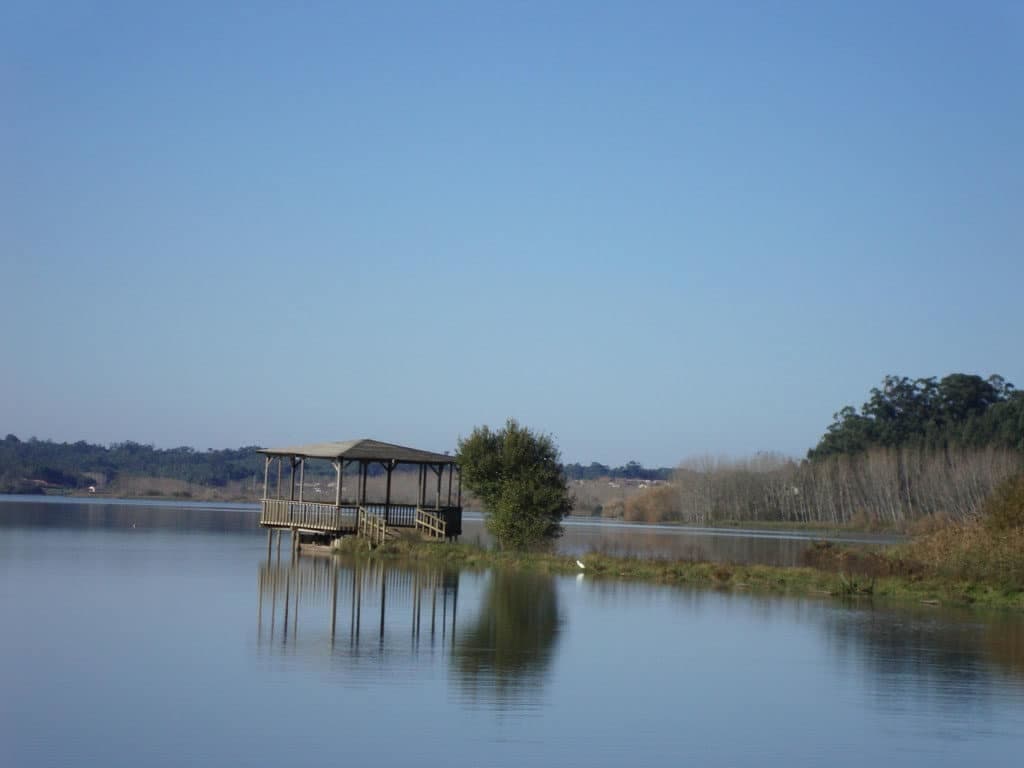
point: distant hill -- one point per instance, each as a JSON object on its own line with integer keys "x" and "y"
{"x": 34, "y": 466}
{"x": 38, "y": 466}
{"x": 629, "y": 471}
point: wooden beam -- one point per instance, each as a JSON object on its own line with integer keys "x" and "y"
{"x": 337, "y": 491}
{"x": 266, "y": 475}
{"x": 437, "y": 499}
{"x": 387, "y": 495}
{"x": 451, "y": 471}
{"x": 302, "y": 476}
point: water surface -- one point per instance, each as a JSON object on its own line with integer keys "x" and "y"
{"x": 582, "y": 535}
{"x": 186, "y": 642}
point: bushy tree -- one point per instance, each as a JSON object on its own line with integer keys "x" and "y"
{"x": 960, "y": 409}
{"x": 518, "y": 475}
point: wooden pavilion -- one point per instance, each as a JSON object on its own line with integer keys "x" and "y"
{"x": 352, "y": 512}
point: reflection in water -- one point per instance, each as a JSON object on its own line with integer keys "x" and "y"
{"x": 920, "y": 652}
{"x": 507, "y": 651}
{"x": 355, "y": 601}
{"x": 113, "y": 514}
{"x": 388, "y": 611}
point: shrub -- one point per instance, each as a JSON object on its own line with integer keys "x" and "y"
{"x": 1004, "y": 508}
{"x": 656, "y": 505}
{"x": 517, "y": 475}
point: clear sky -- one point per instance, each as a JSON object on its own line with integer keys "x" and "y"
{"x": 653, "y": 230}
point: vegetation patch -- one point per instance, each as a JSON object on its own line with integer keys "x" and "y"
{"x": 836, "y": 571}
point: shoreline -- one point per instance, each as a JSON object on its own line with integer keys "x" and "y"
{"x": 804, "y": 581}
{"x": 824, "y": 528}
{"x": 842, "y": 569}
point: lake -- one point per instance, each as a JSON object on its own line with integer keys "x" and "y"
{"x": 161, "y": 635}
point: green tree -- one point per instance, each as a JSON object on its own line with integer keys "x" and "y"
{"x": 518, "y": 476}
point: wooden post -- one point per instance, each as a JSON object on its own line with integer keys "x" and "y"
{"x": 266, "y": 475}
{"x": 302, "y": 476}
{"x": 334, "y": 602}
{"x": 451, "y": 471}
{"x": 280, "y": 460}
{"x": 291, "y": 493}
{"x": 270, "y": 539}
{"x": 421, "y": 488}
{"x": 337, "y": 491}
{"x": 455, "y": 605}
{"x": 383, "y": 592}
{"x": 387, "y": 495}
{"x": 363, "y": 466}
{"x": 437, "y": 498}
{"x": 459, "y": 503}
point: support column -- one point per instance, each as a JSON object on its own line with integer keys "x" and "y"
{"x": 451, "y": 471}
{"x": 266, "y": 475}
{"x": 334, "y": 602}
{"x": 302, "y": 476}
{"x": 421, "y": 488}
{"x": 363, "y": 466}
{"x": 387, "y": 495}
{"x": 337, "y": 491}
{"x": 280, "y": 460}
{"x": 291, "y": 493}
{"x": 437, "y": 498}
{"x": 459, "y": 502}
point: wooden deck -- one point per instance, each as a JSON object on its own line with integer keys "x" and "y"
{"x": 371, "y": 521}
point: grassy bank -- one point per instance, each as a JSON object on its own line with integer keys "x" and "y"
{"x": 831, "y": 571}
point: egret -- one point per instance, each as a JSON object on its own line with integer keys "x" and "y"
{"x": 580, "y": 564}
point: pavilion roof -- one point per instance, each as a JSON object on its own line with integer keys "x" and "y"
{"x": 361, "y": 450}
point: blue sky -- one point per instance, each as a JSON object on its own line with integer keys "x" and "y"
{"x": 653, "y": 230}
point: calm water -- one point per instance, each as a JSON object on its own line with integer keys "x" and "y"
{"x": 581, "y": 534}
{"x": 181, "y": 641}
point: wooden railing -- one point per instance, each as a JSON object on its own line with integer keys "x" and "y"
{"x": 431, "y": 523}
{"x": 308, "y": 515}
{"x": 397, "y": 515}
{"x": 372, "y": 526}
{"x": 443, "y": 522}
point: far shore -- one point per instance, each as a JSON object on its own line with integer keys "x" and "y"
{"x": 211, "y": 496}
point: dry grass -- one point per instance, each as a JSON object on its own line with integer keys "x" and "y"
{"x": 971, "y": 552}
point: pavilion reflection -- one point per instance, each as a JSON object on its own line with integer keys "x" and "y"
{"x": 372, "y": 615}
{"x": 353, "y": 602}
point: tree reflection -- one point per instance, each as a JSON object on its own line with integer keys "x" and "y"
{"x": 921, "y": 654}
{"x": 506, "y": 653}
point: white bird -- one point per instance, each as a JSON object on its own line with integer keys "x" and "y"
{"x": 580, "y": 564}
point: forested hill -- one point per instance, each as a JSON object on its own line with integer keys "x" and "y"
{"x": 629, "y": 471}
{"x": 960, "y": 410}
{"x": 32, "y": 466}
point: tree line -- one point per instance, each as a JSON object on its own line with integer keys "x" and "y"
{"x": 27, "y": 466}
{"x": 631, "y": 470}
{"x": 960, "y": 410}
{"x": 30, "y": 466}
